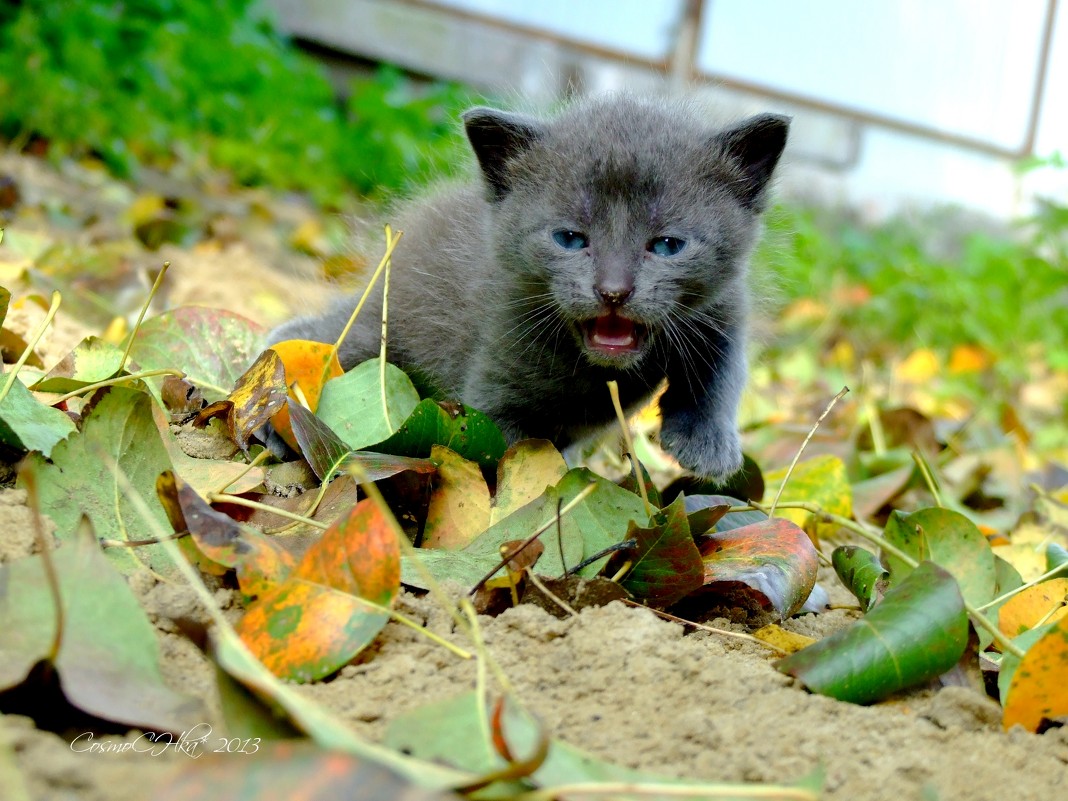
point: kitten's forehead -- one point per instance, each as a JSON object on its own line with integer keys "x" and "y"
{"x": 624, "y": 155}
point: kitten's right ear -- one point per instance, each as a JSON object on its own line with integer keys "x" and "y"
{"x": 496, "y": 137}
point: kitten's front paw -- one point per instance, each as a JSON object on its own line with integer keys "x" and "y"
{"x": 709, "y": 451}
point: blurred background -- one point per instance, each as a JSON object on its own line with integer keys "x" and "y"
{"x": 918, "y": 251}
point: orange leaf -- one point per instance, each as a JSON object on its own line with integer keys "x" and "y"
{"x": 969, "y": 359}
{"x": 1030, "y": 607}
{"x": 315, "y": 621}
{"x": 309, "y": 365}
{"x": 1038, "y": 689}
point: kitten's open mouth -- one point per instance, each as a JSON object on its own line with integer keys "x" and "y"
{"x": 613, "y": 335}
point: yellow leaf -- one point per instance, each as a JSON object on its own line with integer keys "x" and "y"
{"x": 146, "y": 207}
{"x": 1038, "y": 689}
{"x": 789, "y": 641}
{"x": 820, "y": 480}
{"x": 1042, "y": 603}
{"x": 921, "y": 366}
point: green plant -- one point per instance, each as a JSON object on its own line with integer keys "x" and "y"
{"x": 143, "y": 81}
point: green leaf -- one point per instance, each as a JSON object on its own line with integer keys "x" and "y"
{"x": 324, "y": 449}
{"x": 1056, "y": 556}
{"x": 119, "y": 430}
{"x": 91, "y": 361}
{"x": 27, "y": 424}
{"x": 108, "y": 660}
{"x": 459, "y": 428}
{"x": 773, "y": 558}
{"x": 5, "y": 294}
{"x": 211, "y": 346}
{"x": 600, "y": 520}
{"x": 356, "y": 407}
{"x": 667, "y": 565}
{"x": 918, "y": 632}
{"x": 946, "y": 538}
{"x": 862, "y": 572}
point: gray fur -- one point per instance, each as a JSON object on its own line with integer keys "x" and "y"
{"x": 485, "y": 306}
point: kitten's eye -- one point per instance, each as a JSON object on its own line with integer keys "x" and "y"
{"x": 666, "y": 246}
{"x": 571, "y": 240}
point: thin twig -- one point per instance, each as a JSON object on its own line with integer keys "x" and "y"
{"x": 613, "y": 389}
{"x": 30, "y": 345}
{"x": 141, "y": 317}
{"x": 537, "y": 582}
{"x": 793, "y": 464}
{"x": 712, "y": 629}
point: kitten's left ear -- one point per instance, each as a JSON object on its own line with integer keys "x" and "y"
{"x": 755, "y": 145}
{"x": 496, "y": 137}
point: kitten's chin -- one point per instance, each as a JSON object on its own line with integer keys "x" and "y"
{"x": 612, "y": 340}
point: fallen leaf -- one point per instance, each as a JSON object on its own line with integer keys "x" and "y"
{"x": 459, "y": 428}
{"x": 315, "y": 621}
{"x": 79, "y": 481}
{"x": 862, "y": 572}
{"x": 368, "y": 403}
{"x": 789, "y": 641}
{"x": 666, "y": 564}
{"x": 1038, "y": 690}
{"x": 27, "y": 424}
{"x": 108, "y": 659}
{"x": 211, "y": 346}
{"x": 918, "y": 632}
{"x": 460, "y": 504}
{"x": 259, "y": 562}
{"x": 821, "y": 480}
{"x": 774, "y": 559}
{"x": 949, "y": 539}
{"x": 1042, "y": 603}
{"x": 309, "y": 366}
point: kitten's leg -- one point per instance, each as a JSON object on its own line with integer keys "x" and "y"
{"x": 700, "y": 407}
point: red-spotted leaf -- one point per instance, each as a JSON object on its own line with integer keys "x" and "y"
{"x": 949, "y": 539}
{"x": 319, "y": 618}
{"x": 212, "y": 347}
{"x": 918, "y": 632}
{"x": 773, "y": 559}
{"x": 667, "y": 566}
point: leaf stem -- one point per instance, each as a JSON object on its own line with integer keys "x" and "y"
{"x": 30, "y": 345}
{"x": 407, "y": 621}
{"x": 141, "y": 317}
{"x": 613, "y": 389}
{"x": 928, "y": 477}
{"x": 237, "y": 500}
{"x": 382, "y": 351}
{"x": 797, "y": 456}
{"x": 117, "y": 380}
{"x": 727, "y": 791}
{"x": 367, "y": 292}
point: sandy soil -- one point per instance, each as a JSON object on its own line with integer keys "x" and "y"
{"x": 617, "y": 681}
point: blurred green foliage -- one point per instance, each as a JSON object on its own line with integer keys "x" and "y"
{"x": 934, "y": 282}
{"x": 146, "y": 81}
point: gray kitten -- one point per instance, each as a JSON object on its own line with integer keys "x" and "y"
{"x": 610, "y": 242}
